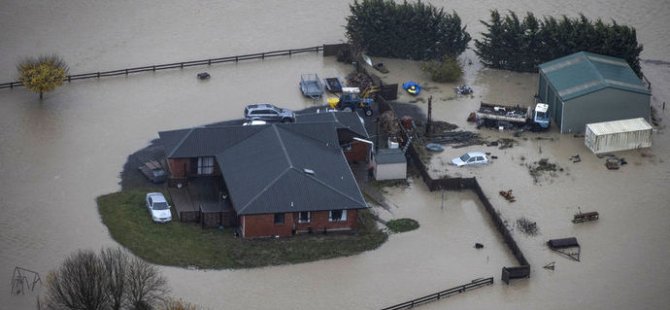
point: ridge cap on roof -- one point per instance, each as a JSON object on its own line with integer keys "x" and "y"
{"x": 328, "y": 185}
{"x": 300, "y": 173}
{"x": 179, "y": 144}
{"x": 262, "y": 191}
{"x": 283, "y": 146}
{"x": 303, "y": 135}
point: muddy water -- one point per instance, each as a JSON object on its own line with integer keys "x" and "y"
{"x": 57, "y": 156}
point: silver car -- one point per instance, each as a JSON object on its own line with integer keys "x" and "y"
{"x": 268, "y": 112}
{"x": 470, "y": 158}
{"x": 158, "y": 208}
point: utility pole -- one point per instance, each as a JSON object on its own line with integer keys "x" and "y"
{"x": 429, "y": 121}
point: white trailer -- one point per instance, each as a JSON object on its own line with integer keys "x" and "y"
{"x": 621, "y": 135}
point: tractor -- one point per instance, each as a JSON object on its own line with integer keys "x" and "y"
{"x": 352, "y": 99}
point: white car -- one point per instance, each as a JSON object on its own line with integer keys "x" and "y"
{"x": 470, "y": 158}
{"x": 158, "y": 208}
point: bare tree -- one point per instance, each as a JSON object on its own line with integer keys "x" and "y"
{"x": 111, "y": 280}
{"x": 115, "y": 262}
{"x": 147, "y": 288}
{"x": 172, "y": 304}
{"x": 78, "y": 284}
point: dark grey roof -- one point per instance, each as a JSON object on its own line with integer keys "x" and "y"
{"x": 390, "y": 156}
{"x": 342, "y": 120}
{"x": 266, "y": 172}
{"x": 204, "y": 141}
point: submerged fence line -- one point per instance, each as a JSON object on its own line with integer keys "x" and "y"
{"x": 442, "y": 294}
{"x": 183, "y": 64}
{"x": 508, "y": 273}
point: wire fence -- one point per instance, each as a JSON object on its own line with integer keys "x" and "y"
{"x": 442, "y": 294}
{"x": 181, "y": 65}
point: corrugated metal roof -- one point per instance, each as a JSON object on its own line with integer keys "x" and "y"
{"x": 626, "y": 125}
{"x": 390, "y": 156}
{"x": 582, "y": 73}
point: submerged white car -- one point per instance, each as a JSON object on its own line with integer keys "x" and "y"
{"x": 158, "y": 208}
{"x": 470, "y": 158}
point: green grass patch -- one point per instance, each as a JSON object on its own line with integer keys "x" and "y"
{"x": 402, "y": 225}
{"x": 187, "y": 244}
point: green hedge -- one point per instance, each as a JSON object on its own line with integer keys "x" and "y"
{"x": 521, "y": 45}
{"x": 408, "y": 30}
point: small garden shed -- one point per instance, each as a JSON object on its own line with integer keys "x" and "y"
{"x": 390, "y": 164}
{"x": 585, "y": 88}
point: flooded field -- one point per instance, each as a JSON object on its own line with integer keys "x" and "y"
{"x": 57, "y": 156}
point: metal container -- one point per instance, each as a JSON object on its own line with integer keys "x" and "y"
{"x": 618, "y": 135}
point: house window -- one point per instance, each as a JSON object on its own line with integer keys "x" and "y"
{"x": 303, "y": 217}
{"x": 337, "y": 216}
{"x": 205, "y": 165}
{"x": 279, "y": 218}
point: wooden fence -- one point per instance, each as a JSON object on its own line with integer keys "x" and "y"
{"x": 442, "y": 294}
{"x": 185, "y": 64}
{"x": 522, "y": 271}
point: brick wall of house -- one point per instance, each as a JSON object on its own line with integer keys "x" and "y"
{"x": 262, "y": 225}
{"x": 358, "y": 152}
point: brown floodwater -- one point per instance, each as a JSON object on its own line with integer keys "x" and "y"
{"x": 58, "y": 155}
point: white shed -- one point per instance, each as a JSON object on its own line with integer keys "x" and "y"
{"x": 621, "y": 135}
{"x": 390, "y": 164}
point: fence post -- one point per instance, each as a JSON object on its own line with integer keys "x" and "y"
{"x": 126, "y": 71}
{"x": 209, "y": 62}
{"x": 237, "y": 59}
{"x": 154, "y": 68}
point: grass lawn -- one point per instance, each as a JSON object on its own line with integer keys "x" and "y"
{"x": 402, "y": 225}
{"x": 186, "y": 244}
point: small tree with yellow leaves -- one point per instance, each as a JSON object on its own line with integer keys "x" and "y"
{"x": 42, "y": 74}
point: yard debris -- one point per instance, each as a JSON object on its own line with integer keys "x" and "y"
{"x": 506, "y": 143}
{"x": 550, "y": 266}
{"x": 508, "y": 195}
{"x": 526, "y": 226}
{"x": 360, "y": 80}
{"x": 542, "y": 166}
{"x": 479, "y": 245}
{"x": 463, "y": 90}
{"x": 566, "y": 246}
{"x": 575, "y": 158}
{"x": 388, "y": 123}
{"x": 613, "y": 163}
{"x": 585, "y": 217}
{"x": 460, "y": 138}
{"x": 472, "y": 117}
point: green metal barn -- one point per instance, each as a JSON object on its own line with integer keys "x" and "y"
{"x": 585, "y": 88}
